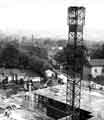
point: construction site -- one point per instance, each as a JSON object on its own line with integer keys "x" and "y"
{"x": 70, "y": 100}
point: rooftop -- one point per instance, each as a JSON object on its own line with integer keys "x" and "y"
{"x": 96, "y": 62}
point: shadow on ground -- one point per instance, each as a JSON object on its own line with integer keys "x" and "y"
{"x": 85, "y": 115}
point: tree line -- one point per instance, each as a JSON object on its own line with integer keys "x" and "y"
{"x": 13, "y": 55}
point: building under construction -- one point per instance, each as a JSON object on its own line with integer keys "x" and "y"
{"x": 63, "y": 101}
{"x": 68, "y": 101}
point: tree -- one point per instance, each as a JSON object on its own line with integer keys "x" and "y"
{"x": 98, "y": 53}
{"x": 60, "y": 56}
{"x": 35, "y": 51}
{"x": 68, "y": 57}
{"x": 23, "y": 61}
{"x": 32, "y": 58}
{"x": 9, "y": 56}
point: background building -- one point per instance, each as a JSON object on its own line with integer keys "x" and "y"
{"x": 95, "y": 68}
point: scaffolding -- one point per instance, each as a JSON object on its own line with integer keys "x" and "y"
{"x": 76, "y": 20}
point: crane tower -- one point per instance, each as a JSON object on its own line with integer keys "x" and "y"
{"x": 76, "y": 21}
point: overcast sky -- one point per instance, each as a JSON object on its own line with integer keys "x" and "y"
{"x": 48, "y": 18}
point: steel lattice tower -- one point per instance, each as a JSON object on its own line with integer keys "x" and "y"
{"x": 76, "y": 20}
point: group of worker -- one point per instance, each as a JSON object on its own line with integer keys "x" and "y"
{"x": 25, "y": 81}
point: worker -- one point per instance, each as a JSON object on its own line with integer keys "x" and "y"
{"x": 7, "y": 112}
{"x": 89, "y": 81}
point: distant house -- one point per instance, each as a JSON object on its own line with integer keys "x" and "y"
{"x": 95, "y": 68}
{"x": 62, "y": 77}
{"x": 49, "y": 73}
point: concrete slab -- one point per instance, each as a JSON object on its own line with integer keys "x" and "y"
{"x": 92, "y": 101}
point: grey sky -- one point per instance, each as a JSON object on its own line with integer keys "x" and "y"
{"x": 48, "y": 18}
